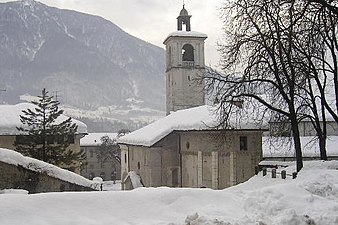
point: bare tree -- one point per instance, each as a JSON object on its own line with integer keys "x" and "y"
{"x": 331, "y": 5}
{"x": 109, "y": 150}
{"x": 260, "y": 61}
{"x": 319, "y": 50}
{"x": 282, "y": 55}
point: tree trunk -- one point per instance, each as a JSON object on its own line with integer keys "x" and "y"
{"x": 323, "y": 135}
{"x": 322, "y": 147}
{"x": 297, "y": 144}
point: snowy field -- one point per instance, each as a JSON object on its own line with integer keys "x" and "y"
{"x": 311, "y": 199}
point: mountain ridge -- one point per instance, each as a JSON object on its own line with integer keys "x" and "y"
{"x": 87, "y": 60}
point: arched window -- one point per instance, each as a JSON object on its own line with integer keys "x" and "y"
{"x": 188, "y": 53}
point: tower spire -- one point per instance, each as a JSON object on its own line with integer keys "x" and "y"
{"x": 183, "y": 19}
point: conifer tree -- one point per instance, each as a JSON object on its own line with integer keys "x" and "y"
{"x": 46, "y": 137}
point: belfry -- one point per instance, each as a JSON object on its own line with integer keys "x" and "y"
{"x": 185, "y": 66}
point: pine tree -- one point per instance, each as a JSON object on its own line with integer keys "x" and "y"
{"x": 46, "y": 137}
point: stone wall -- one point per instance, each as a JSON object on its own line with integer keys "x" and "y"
{"x": 214, "y": 160}
{"x": 157, "y": 166}
{"x": 146, "y": 163}
{"x": 184, "y": 87}
{"x": 17, "y": 177}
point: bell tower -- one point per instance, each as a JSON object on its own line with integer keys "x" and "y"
{"x": 185, "y": 66}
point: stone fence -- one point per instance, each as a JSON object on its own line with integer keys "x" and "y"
{"x": 274, "y": 173}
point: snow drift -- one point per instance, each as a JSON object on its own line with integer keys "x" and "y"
{"x": 312, "y": 198}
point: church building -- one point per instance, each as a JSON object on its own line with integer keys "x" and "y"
{"x": 185, "y": 149}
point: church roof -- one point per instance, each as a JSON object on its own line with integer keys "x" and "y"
{"x": 184, "y": 12}
{"x": 10, "y": 119}
{"x": 198, "y": 118}
{"x": 181, "y": 33}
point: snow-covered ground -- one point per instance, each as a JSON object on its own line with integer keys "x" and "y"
{"x": 310, "y": 199}
{"x": 111, "y": 186}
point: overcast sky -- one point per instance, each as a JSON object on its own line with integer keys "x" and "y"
{"x": 153, "y": 20}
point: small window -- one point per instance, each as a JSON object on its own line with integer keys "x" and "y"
{"x": 138, "y": 165}
{"x": 187, "y": 145}
{"x": 125, "y": 157}
{"x": 243, "y": 143}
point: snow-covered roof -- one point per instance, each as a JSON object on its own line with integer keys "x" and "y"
{"x": 186, "y": 34}
{"x": 94, "y": 139}
{"x": 10, "y": 119}
{"x": 283, "y": 147}
{"x": 15, "y": 158}
{"x": 198, "y": 118}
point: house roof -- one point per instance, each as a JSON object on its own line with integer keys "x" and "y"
{"x": 198, "y": 118}
{"x": 281, "y": 147}
{"x": 10, "y": 119}
{"x": 94, "y": 139}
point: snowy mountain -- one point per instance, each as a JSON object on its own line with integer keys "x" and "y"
{"x": 87, "y": 62}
